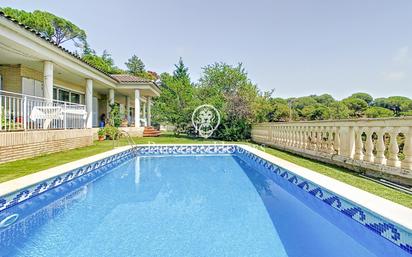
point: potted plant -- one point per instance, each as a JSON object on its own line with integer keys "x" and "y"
{"x": 101, "y": 134}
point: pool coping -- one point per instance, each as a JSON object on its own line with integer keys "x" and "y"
{"x": 389, "y": 210}
{"x": 392, "y": 211}
{"x": 20, "y": 183}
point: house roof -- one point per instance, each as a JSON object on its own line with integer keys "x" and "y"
{"x": 49, "y": 40}
{"x": 129, "y": 79}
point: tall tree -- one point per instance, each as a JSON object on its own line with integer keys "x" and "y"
{"x": 229, "y": 89}
{"x": 135, "y": 66}
{"x": 56, "y": 28}
{"x": 181, "y": 71}
{"x": 176, "y": 101}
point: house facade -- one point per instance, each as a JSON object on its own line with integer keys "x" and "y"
{"x": 47, "y": 90}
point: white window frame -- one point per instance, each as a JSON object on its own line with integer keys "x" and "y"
{"x": 58, "y": 88}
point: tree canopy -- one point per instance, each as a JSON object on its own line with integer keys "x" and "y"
{"x": 104, "y": 62}
{"x": 363, "y": 96}
{"x": 398, "y": 104}
{"x": 135, "y": 65}
{"x": 378, "y": 112}
{"x": 49, "y": 25}
{"x": 356, "y": 106}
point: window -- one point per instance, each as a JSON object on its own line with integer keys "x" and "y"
{"x": 32, "y": 87}
{"x": 66, "y": 95}
{"x": 74, "y": 98}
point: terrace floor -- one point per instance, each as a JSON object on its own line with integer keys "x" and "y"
{"x": 12, "y": 170}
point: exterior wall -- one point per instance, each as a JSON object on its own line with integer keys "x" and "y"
{"x": 34, "y": 74}
{"x": 22, "y": 145}
{"x": 381, "y": 148}
{"x": 11, "y": 77}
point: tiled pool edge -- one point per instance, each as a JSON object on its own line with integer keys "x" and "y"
{"x": 389, "y": 220}
{"x": 18, "y": 190}
{"x": 395, "y": 230}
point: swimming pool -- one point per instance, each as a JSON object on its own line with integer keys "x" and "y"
{"x": 190, "y": 201}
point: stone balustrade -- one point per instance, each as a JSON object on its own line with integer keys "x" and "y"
{"x": 380, "y": 145}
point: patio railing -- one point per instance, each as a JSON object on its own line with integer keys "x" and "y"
{"x": 25, "y": 112}
{"x": 382, "y": 142}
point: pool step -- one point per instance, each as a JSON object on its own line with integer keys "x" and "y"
{"x": 150, "y": 132}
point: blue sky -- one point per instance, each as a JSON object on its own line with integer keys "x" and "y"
{"x": 295, "y": 47}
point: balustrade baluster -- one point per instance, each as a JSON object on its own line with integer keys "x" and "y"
{"x": 316, "y": 140}
{"x": 303, "y": 138}
{"x": 393, "y": 159}
{"x": 289, "y": 137}
{"x": 331, "y": 149}
{"x": 369, "y": 146}
{"x": 313, "y": 139}
{"x": 380, "y": 148}
{"x": 336, "y": 142}
{"x": 407, "y": 150}
{"x": 358, "y": 145}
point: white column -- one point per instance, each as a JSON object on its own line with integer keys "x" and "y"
{"x": 128, "y": 108}
{"x": 137, "y": 108}
{"x": 149, "y": 114}
{"x": 144, "y": 112}
{"x": 48, "y": 80}
{"x": 89, "y": 103}
{"x": 111, "y": 96}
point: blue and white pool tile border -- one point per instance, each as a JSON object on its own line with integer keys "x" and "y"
{"x": 389, "y": 220}
{"x": 18, "y": 190}
{"x": 186, "y": 149}
{"x": 373, "y": 220}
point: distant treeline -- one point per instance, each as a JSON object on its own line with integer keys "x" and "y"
{"x": 323, "y": 107}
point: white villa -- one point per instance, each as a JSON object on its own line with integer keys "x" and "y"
{"x": 47, "y": 93}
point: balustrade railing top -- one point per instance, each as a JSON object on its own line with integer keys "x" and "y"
{"x": 395, "y": 121}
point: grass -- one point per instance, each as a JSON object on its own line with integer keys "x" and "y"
{"x": 20, "y": 168}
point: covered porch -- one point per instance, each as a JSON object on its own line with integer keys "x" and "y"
{"x": 45, "y": 87}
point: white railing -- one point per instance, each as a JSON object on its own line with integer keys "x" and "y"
{"x": 386, "y": 142}
{"x": 24, "y": 112}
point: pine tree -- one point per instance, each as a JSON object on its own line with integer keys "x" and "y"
{"x": 181, "y": 71}
{"x": 135, "y": 66}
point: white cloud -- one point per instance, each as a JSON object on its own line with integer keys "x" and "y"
{"x": 402, "y": 55}
{"x": 394, "y": 75}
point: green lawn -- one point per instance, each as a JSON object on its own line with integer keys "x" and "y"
{"x": 17, "y": 169}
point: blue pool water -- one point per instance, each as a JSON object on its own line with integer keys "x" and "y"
{"x": 185, "y": 206}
